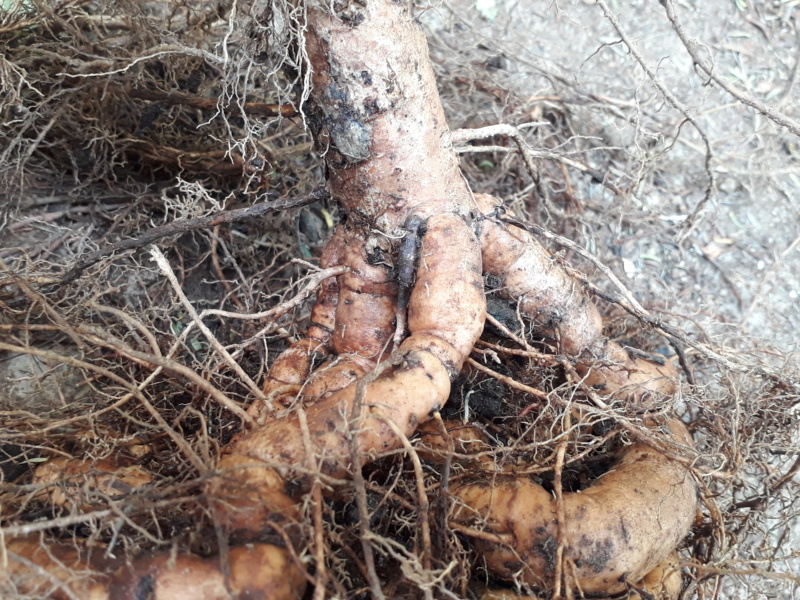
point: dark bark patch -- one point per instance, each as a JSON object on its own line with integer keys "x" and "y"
{"x": 349, "y": 135}
{"x": 371, "y": 106}
{"x": 596, "y": 553}
{"x": 350, "y": 13}
{"x": 513, "y": 566}
{"x": 624, "y": 531}
{"x": 546, "y": 548}
{"x": 146, "y": 588}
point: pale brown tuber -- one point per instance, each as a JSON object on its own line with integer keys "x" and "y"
{"x": 617, "y": 530}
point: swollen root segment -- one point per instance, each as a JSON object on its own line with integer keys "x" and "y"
{"x": 561, "y": 311}
{"x": 57, "y": 570}
{"x": 617, "y": 530}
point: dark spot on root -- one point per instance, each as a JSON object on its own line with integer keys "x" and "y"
{"x": 353, "y": 20}
{"x": 624, "y": 531}
{"x": 452, "y": 370}
{"x": 410, "y": 361}
{"x": 252, "y": 594}
{"x": 376, "y": 257}
{"x": 146, "y": 588}
{"x": 493, "y": 282}
{"x": 596, "y": 553}
{"x": 329, "y": 465}
{"x": 291, "y": 487}
{"x": 547, "y": 550}
{"x": 513, "y": 566}
{"x": 371, "y": 106}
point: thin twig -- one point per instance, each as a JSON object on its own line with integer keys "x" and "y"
{"x": 795, "y": 74}
{"x": 675, "y": 102}
{"x": 561, "y": 517}
{"x": 218, "y": 269}
{"x": 358, "y": 479}
{"x": 57, "y": 584}
{"x": 759, "y": 502}
{"x": 312, "y": 283}
{"x": 133, "y": 322}
{"x": 173, "y": 365}
{"x": 36, "y": 298}
{"x": 508, "y": 333}
{"x": 181, "y": 226}
{"x": 501, "y": 539}
{"x": 448, "y": 459}
{"x": 179, "y": 441}
{"x": 540, "y": 357}
{"x": 461, "y": 136}
{"x": 508, "y": 380}
{"x": 422, "y": 496}
{"x": 321, "y": 575}
{"x": 166, "y": 269}
{"x": 171, "y": 98}
{"x": 692, "y": 47}
{"x": 766, "y": 277}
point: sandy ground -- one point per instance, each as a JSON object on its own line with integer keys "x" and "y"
{"x": 739, "y": 267}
